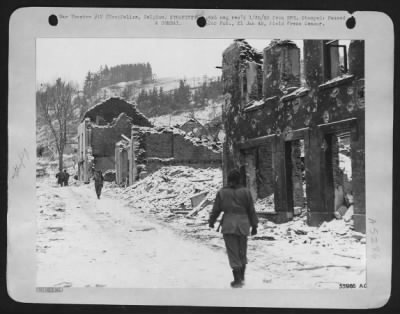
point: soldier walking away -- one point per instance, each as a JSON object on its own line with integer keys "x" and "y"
{"x": 239, "y": 215}
{"x": 98, "y": 182}
{"x": 60, "y": 178}
{"x": 66, "y": 177}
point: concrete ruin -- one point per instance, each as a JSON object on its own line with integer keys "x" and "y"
{"x": 194, "y": 127}
{"x": 166, "y": 146}
{"x": 284, "y": 137}
{"x": 101, "y": 128}
{"x": 115, "y": 136}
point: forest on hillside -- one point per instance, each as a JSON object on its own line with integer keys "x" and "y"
{"x": 107, "y": 76}
{"x": 156, "y": 102}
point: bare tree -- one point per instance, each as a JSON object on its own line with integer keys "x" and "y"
{"x": 55, "y": 104}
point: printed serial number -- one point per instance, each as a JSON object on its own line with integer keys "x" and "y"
{"x": 351, "y": 286}
{"x": 49, "y": 289}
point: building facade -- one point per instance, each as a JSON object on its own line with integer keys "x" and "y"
{"x": 102, "y": 127}
{"x": 290, "y": 132}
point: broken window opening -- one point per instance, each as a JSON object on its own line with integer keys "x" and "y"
{"x": 258, "y": 176}
{"x": 295, "y": 176}
{"x": 335, "y": 59}
{"x": 342, "y": 175}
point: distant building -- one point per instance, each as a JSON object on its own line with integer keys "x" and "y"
{"x": 194, "y": 127}
{"x": 101, "y": 128}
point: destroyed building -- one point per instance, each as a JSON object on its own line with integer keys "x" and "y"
{"x": 101, "y": 128}
{"x": 156, "y": 147}
{"x": 194, "y": 127}
{"x": 285, "y": 136}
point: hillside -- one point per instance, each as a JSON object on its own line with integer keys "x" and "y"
{"x": 133, "y": 88}
{"x": 205, "y": 112}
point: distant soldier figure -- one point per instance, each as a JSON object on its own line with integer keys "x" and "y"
{"x": 98, "y": 182}
{"x": 66, "y": 177}
{"x": 239, "y": 214}
{"x": 60, "y": 178}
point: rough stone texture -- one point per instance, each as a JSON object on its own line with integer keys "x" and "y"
{"x": 171, "y": 146}
{"x": 250, "y": 157}
{"x": 122, "y": 149}
{"x": 96, "y": 143}
{"x": 314, "y": 62}
{"x": 358, "y": 173}
{"x": 111, "y": 108}
{"x": 265, "y": 171}
{"x": 252, "y": 82}
{"x": 195, "y": 127}
{"x": 153, "y": 164}
{"x": 281, "y": 67}
{"x": 105, "y": 137}
{"x": 356, "y": 58}
{"x": 316, "y": 113}
{"x": 109, "y": 175}
{"x": 159, "y": 145}
{"x": 104, "y": 163}
{"x": 297, "y": 175}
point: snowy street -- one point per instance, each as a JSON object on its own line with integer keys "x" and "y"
{"x": 99, "y": 243}
{"x": 117, "y": 242}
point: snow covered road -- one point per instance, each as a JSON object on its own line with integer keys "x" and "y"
{"x": 85, "y": 242}
{"x": 112, "y": 242}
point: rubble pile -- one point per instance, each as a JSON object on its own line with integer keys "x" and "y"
{"x": 248, "y": 53}
{"x": 170, "y": 190}
{"x": 204, "y": 141}
{"x": 265, "y": 204}
{"x": 329, "y": 234}
{"x": 182, "y": 197}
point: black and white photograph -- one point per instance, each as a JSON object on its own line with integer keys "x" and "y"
{"x": 232, "y": 158}
{"x": 200, "y": 163}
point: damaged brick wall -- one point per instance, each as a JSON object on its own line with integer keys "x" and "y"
{"x": 160, "y": 147}
{"x": 265, "y": 176}
{"x": 313, "y": 113}
{"x": 116, "y": 117}
{"x": 297, "y": 174}
{"x": 281, "y": 67}
{"x": 104, "y": 139}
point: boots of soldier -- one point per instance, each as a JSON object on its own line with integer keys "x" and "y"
{"x": 237, "y": 278}
{"x": 243, "y": 270}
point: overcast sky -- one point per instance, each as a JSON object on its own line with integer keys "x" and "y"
{"x": 72, "y": 58}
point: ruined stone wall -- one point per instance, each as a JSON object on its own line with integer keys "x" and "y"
{"x": 153, "y": 164}
{"x": 281, "y": 67}
{"x": 159, "y": 145}
{"x": 297, "y": 174}
{"x": 104, "y": 163}
{"x": 321, "y": 109}
{"x": 104, "y": 137}
{"x": 265, "y": 176}
{"x": 188, "y": 150}
{"x": 122, "y": 166}
{"x": 171, "y": 146}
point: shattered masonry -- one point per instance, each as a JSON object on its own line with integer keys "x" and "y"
{"x": 101, "y": 128}
{"x": 280, "y": 132}
{"x": 164, "y": 146}
{"x": 115, "y": 136}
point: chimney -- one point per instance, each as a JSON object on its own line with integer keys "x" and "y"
{"x": 281, "y": 67}
{"x": 321, "y": 61}
{"x": 356, "y": 58}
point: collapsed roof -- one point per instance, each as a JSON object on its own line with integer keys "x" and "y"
{"x": 113, "y": 107}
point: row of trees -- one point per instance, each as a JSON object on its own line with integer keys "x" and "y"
{"x": 121, "y": 73}
{"x": 157, "y": 102}
{"x": 54, "y": 104}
